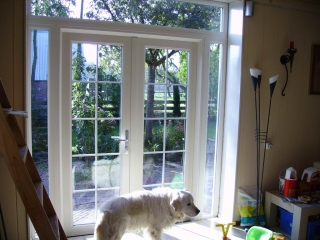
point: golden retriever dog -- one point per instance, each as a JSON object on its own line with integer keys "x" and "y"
{"x": 151, "y": 211}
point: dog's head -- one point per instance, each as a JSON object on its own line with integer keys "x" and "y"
{"x": 182, "y": 201}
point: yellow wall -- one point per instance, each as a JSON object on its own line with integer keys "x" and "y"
{"x": 294, "y": 128}
{"x": 12, "y": 73}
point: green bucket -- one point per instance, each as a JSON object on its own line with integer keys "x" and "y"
{"x": 259, "y": 233}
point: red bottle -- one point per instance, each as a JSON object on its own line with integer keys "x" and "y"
{"x": 290, "y": 183}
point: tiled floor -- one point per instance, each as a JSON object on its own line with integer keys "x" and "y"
{"x": 196, "y": 230}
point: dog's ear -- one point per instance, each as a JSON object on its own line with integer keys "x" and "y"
{"x": 176, "y": 203}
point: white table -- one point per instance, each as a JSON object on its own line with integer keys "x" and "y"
{"x": 300, "y": 212}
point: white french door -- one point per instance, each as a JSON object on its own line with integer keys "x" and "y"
{"x": 127, "y": 120}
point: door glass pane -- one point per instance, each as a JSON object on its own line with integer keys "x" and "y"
{"x": 105, "y": 195}
{"x": 106, "y": 130}
{"x": 152, "y": 169}
{"x": 83, "y": 203}
{"x": 175, "y": 134}
{"x": 158, "y": 102}
{"x": 83, "y": 100}
{"x": 84, "y": 61}
{"x": 177, "y": 106}
{"x": 39, "y": 102}
{"x": 165, "y": 107}
{"x": 174, "y": 170}
{"x": 83, "y": 141}
{"x": 107, "y": 171}
{"x": 213, "y": 103}
{"x": 83, "y": 173}
{"x": 109, "y": 99}
{"x": 110, "y": 63}
{"x": 96, "y": 105}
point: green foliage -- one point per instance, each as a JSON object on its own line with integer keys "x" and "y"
{"x": 154, "y": 12}
{"x": 83, "y": 134}
{"x": 110, "y": 60}
{"x": 107, "y": 101}
{"x": 175, "y": 135}
{"x": 40, "y": 132}
{"x": 211, "y": 130}
{"x": 52, "y": 8}
{"x": 164, "y": 13}
{"x": 89, "y": 99}
{"x": 83, "y": 176}
{"x": 78, "y": 63}
{"x": 174, "y": 138}
{"x": 214, "y": 81}
{"x": 84, "y": 106}
{"x": 156, "y": 143}
{"x": 183, "y": 69}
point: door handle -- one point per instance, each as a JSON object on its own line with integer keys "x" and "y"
{"x": 126, "y": 140}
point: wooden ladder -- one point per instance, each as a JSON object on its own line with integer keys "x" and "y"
{"x": 15, "y": 153}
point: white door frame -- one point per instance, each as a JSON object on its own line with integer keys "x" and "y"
{"x": 58, "y": 26}
{"x": 131, "y": 115}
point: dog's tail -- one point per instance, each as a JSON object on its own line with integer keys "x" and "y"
{"x": 101, "y": 231}
{"x": 110, "y": 226}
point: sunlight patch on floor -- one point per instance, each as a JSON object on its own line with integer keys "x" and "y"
{"x": 177, "y": 233}
{"x": 131, "y": 236}
{"x": 90, "y": 237}
{"x": 201, "y": 230}
{"x": 197, "y": 230}
{"x": 206, "y": 232}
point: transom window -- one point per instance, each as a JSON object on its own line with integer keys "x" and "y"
{"x": 170, "y": 13}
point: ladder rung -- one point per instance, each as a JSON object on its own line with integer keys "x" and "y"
{"x": 18, "y": 113}
{"x": 54, "y": 221}
{"x": 23, "y": 152}
{"x": 39, "y": 189}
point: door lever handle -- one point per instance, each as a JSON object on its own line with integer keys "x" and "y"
{"x": 126, "y": 140}
{"x": 118, "y": 139}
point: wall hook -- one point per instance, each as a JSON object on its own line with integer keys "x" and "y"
{"x": 284, "y": 59}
